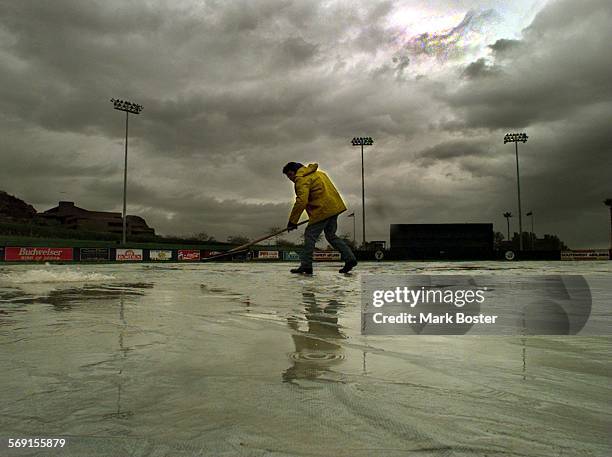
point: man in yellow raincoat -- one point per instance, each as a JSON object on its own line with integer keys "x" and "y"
{"x": 316, "y": 194}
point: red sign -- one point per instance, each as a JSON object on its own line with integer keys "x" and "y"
{"x": 37, "y": 254}
{"x": 267, "y": 255}
{"x": 188, "y": 254}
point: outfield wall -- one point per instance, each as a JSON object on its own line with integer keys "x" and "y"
{"x": 96, "y": 254}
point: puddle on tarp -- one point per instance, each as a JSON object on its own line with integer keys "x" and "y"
{"x": 215, "y": 359}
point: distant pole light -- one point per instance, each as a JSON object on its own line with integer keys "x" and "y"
{"x": 362, "y": 141}
{"x": 508, "y": 215}
{"x": 533, "y": 237}
{"x": 608, "y": 203}
{"x": 134, "y": 108}
{"x": 515, "y": 138}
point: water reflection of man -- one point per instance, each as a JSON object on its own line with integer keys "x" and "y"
{"x": 316, "y": 348}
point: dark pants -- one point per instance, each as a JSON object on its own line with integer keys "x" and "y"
{"x": 313, "y": 231}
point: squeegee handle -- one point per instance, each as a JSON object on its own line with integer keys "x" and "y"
{"x": 244, "y": 247}
{"x": 263, "y": 238}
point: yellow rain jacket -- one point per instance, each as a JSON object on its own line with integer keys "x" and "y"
{"x": 316, "y": 194}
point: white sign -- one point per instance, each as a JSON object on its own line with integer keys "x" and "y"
{"x": 585, "y": 254}
{"x": 128, "y": 255}
{"x": 322, "y": 256}
{"x": 160, "y": 254}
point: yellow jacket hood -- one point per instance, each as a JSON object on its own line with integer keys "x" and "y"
{"x": 316, "y": 194}
{"x": 308, "y": 169}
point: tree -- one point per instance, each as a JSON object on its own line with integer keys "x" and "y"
{"x": 273, "y": 230}
{"x": 203, "y": 236}
{"x": 238, "y": 239}
{"x": 284, "y": 242}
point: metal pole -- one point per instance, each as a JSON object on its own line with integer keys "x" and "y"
{"x": 363, "y": 198}
{"x": 508, "y": 223}
{"x": 518, "y": 183}
{"x": 610, "y": 227}
{"x": 125, "y": 180}
{"x": 533, "y": 237}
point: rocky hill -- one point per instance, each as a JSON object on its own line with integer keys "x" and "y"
{"x": 12, "y": 208}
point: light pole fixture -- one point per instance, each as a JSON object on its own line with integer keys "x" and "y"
{"x": 533, "y": 237}
{"x": 515, "y": 138}
{"x": 362, "y": 141}
{"x": 134, "y": 108}
{"x": 608, "y": 203}
{"x": 508, "y": 215}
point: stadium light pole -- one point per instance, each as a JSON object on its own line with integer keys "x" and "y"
{"x": 515, "y": 138}
{"x": 532, "y": 237}
{"x": 133, "y": 108}
{"x": 608, "y": 203}
{"x": 508, "y": 215}
{"x": 362, "y": 141}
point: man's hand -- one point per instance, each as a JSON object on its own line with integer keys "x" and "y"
{"x": 291, "y": 226}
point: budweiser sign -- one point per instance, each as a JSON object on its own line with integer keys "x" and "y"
{"x": 37, "y": 254}
{"x": 127, "y": 255}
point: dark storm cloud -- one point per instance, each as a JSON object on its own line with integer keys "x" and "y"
{"x": 480, "y": 69}
{"x": 232, "y": 90}
{"x": 504, "y": 46}
{"x": 452, "y": 150}
{"x": 559, "y": 70}
{"x": 554, "y": 84}
{"x": 189, "y": 211}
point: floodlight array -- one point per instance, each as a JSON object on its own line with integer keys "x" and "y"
{"x": 515, "y": 137}
{"x": 124, "y": 105}
{"x": 362, "y": 141}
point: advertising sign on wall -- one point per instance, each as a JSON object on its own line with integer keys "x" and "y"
{"x": 291, "y": 255}
{"x": 37, "y": 254}
{"x": 1, "y": 254}
{"x": 322, "y": 256}
{"x": 94, "y": 254}
{"x": 267, "y": 255}
{"x": 585, "y": 254}
{"x": 189, "y": 254}
{"x": 128, "y": 255}
{"x": 160, "y": 254}
{"x": 206, "y": 254}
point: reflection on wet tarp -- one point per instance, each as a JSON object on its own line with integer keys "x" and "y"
{"x": 316, "y": 347}
{"x": 123, "y": 350}
{"x": 64, "y": 299}
{"x": 182, "y": 370}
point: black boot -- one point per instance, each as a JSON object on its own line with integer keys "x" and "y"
{"x": 302, "y": 270}
{"x": 348, "y": 266}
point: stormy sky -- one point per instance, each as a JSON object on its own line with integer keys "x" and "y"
{"x": 232, "y": 90}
